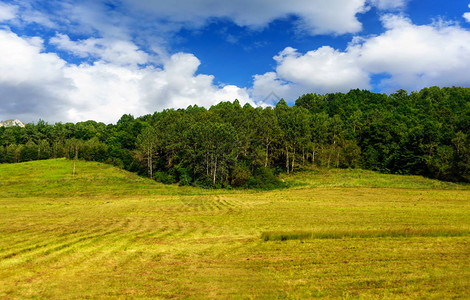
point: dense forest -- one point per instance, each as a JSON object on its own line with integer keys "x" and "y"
{"x": 229, "y": 145}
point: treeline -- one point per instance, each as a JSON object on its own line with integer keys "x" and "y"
{"x": 423, "y": 133}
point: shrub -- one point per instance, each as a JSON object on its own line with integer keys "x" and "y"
{"x": 164, "y": 177}
{"x": 264, "y": 179}
{"x": 185, "y": 178}
{"x": 240, "y": 176}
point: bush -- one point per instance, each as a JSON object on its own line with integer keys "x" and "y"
{"x": 164, "y": 177}
{"x": 263, "y": 179}
{"x": 351, "y": 153}
{"x": 185, "y": 178}
{"x": 205, "y": 183}
{"x": 115, "y": 162}
{"x": 240, "y": 176}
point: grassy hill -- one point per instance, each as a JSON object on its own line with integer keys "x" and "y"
{"x": 335, "y": 234}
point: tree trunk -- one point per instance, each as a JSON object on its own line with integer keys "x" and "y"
{"x": 287, "y": 160}
{"x": 207, "y": 164}
{"x": 313, "y": 157}
{"x": 215, "y": 170}
{"x": 267, "y": 153}
{"x": 17, "y": 155}
{"x": 149, "y": 162}
{"x": 293, "y": 161}
{"x": 151, "y": 166}
{"x": 329, "y": 157}
{"x": 337, "y": 159}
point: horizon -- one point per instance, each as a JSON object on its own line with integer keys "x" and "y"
{"x": 35, "y": 122}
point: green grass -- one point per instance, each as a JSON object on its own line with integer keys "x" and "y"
{"x": 106, "y": 233}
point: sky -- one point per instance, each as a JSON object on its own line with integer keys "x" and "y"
{"x": 71, "y": 61}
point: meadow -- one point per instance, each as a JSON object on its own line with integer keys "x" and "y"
{"x": 348, "y": 234}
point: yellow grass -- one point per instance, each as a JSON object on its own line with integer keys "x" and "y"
{"x": 108, "y": 233}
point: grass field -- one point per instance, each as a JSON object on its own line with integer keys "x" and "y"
{"x": 334, "y": 234}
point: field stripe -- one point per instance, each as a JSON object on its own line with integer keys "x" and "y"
{"x": 393, "y": 233}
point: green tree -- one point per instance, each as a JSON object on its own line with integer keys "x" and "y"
{"x": 147, "y": 145}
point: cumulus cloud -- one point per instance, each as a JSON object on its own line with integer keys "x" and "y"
{"x": 324, "y": 69}
{"x": 178, "y": 84}
{"x": 315, "y": 16}
{"x": 32, "y": 83}
{"x": 35, "y": 84}
{"x": 417, "y": 56}
{"x": 107, "y": 91}
{"x": 410, "y": 56}
{"x": 321, "y": 71}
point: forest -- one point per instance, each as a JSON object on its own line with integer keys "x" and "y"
{"x": 229, "y": 145}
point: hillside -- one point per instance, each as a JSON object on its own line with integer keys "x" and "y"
{"x": 11, "y": 123}
{"x": 106, "y": 232}
{"x": 54, "y": 178}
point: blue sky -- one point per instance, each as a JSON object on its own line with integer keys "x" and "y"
{"x": 79, "y": 60}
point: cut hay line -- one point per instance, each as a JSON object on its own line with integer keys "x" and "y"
{"x": 52, "y": 247}
{"x": 392, "y": 233}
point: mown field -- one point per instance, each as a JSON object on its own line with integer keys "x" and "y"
{"x": 332, "y": 234}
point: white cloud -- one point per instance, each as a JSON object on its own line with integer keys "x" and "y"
{"x": 411, "y": 56}
{"x": 21, "y": 60}
{"x": 466, "y": 15}
{"x": 178, "y": 84}
{"x": 95, "y": 18}
{"x": 417, "y": 56}
{"x": 389, "y": 4}
{"x": 316, "y": 16}
{"x": 31, "y": 83}
{"x": 37, "y": 85}
{"x": 29, "y": 15}
{"x": 268, "y": 87}
{"x": 23, "y": 13}
{"x": 106, "y": 91}
{"x": 7, "y": 12}
{"x": 115, "y": 51}
{"x": 324, "y": 69}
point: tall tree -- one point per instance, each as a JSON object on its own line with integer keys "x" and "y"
{"x": 147, "y": 144}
